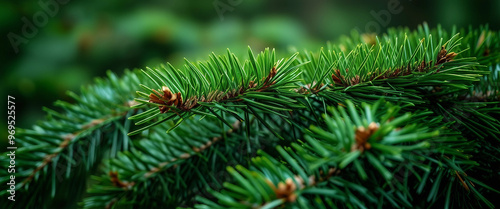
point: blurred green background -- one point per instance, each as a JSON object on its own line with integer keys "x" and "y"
{"x": 51, "y": 47}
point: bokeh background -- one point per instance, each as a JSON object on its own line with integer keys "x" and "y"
{"x": 71, "y": 42}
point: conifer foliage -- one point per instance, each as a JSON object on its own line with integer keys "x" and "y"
{"x": 406, "y": 119}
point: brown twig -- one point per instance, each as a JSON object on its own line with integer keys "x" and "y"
{"x": 442, "y": 57}
{"x": 167, "y": 99}
{"x": 236, "y": 125}
{"x": 67, "y": 139}
{"x": 118, "y": 183}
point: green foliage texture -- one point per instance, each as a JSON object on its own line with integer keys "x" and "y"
{"x": 406, "y": 119}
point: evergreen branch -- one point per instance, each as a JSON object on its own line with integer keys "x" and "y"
{"x": 398, "y": 70}
{"x": 272, "y": 93}
{"x": 68, "y": 139}
{"x": 374, "y": 134}
{"x": 201, "y": 148}
{"x": 50, "y": 152}
{"x": 436, "y": 147}
{"x": 168, "y": 158}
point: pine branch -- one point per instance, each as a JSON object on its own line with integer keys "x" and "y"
{"x": 261, "y": 83}
{"x": 175, "y": 161}
{"x": 326, "y": 138}
{"x": 323, "y": 167}
{"x": 70, "y": 143}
